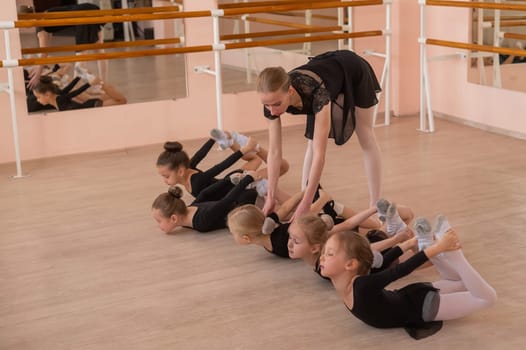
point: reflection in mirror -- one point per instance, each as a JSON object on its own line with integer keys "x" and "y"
{"x": 105, "y": 82}
{"x": 240, "y": 67}
{"x": 502, "y": 28}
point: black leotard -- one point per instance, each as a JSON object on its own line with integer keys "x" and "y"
{"x": 382, "y": 308}
{"x": 212, "y": 215}
{"x": 279, "y": 238}
{"x": 215, "y": 188}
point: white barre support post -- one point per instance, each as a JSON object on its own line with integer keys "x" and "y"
{"x": 248, "y": 57}
{"x": 11, "y": 91}
{"x": 480, "y": 41}
{"x": 350, "y": 43}
{"x": 387, "y": 95}
{"x": 307, "y": 47}
{"x": 178, "y": 24}
{"x": 127, "y": 26}
{"x": 497, "y": 82}
{"x": 217, "y": 66}
{"x": 382, "y": 80}
{"x": 424, "y": 77}
{"x": 385, "y": 81}
{"x": 341, "y": 24}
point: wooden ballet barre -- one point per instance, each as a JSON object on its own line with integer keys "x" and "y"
{"x": 476, "y": 47}
{"x": 98, "y": 46}
{"x": 280, "y": 32}
{"x": 277, "y": 23}
{"x": 297, "y": 14}
{"x": 514, "y": 36}
{"x": 96, "y": 13}
{"x": 231, "y": 46}
{"x": 111, "y": 55}
{"x": 108, "y": 19}
{"x": 301, "y": 6}
{"x": 263, "y": 3}
{"x": 476, "y": 5}
{"x": 511, "y": 24}
{"x": 502, "y": 18}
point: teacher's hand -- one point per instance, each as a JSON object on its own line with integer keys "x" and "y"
{"x": 302, "y": 209}
{"x": 269, "y": 205}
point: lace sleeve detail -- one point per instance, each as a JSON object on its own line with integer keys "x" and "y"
{"x": 320, "y": 98}
{"x": 313, "y": 93}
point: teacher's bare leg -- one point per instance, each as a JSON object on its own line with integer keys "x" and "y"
{"x": 371, "y": 152}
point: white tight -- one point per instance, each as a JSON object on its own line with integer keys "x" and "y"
{"x": 462, "y": 289}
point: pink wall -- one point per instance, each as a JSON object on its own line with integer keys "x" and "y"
{"x": 452, "y": 94}
{"x": 125, "y": 126}
{"x": 154, "y": 122}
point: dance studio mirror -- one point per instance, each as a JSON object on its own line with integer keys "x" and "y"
{"x": 498, "y": 27}
{"x": 241, "y": 66}
{"x": 140, "y": 79}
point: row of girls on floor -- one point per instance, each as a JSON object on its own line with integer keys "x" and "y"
{"x": 360, "y": 252}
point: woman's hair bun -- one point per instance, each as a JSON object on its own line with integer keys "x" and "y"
{"x": 173, "y": 146}
{"x": 175, "y": 191}
{"x": 45, "y": 79}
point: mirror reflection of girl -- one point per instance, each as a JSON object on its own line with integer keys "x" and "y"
{"x": 170, "y": 211}
{"x": 347, "y": 259}
{"x": 48, "y": 93}
{"x": 177, "y": 168}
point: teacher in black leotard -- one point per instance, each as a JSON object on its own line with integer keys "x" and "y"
{"x": 337, "y": 91}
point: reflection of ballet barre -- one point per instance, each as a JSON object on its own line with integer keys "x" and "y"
{"x": 476, "y": 47}
{"x": 513, "y": 35}
{"x": 502, "y": 18}
{"x": 98, "y": 13}
{"x": 504, "y": 24}
{"x": 280, "y": 32}
{"x": 315, "y": 15}
{"x": 273, "y": 22}
{"x": 264, "y": 3}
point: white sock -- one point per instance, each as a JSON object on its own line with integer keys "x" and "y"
{"x": 338, "y": 208}
{"x": 393, "y": 221}
{"x": 423, "y": 233}
{"x": 382, "y": 205}
{"x": 441, "y": 226}
{"x": 262, "y": 187}
{"x": 241, "y": 139}
{"x": 221, "y": 138}
{"x": 378, "y": 259}
{"x": 269, "y": 225}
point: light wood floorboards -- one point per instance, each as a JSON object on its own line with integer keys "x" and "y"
{"x": 83, "y": 265}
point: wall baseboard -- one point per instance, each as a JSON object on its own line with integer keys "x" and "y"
{"x": 473, "y": 124}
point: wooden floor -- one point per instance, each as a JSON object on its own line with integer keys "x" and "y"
{"x": 83, "y": 265}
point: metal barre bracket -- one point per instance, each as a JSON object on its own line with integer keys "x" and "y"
{"x": 203, "y": 69}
